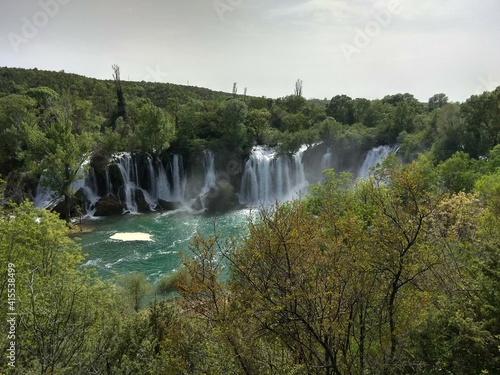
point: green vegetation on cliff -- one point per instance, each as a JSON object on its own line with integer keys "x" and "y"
{"x": 99, "y": 117}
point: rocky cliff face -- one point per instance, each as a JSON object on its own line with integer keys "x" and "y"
{"x": 211, "y": 182}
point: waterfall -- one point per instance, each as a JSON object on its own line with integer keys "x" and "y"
{"x": 152, "y": 179}
{"x": 301, "y": 182}
{"x": 159, "y": 181}
{"x": 87, "y": 185}
{"x": 179, "y": 181}
{"x": 268, "y": 177}
{"x": 210, "y": 174}
{"x": 127, "y": 168}
{"x": 44, "y": 196}
{"x": 141, "y": 182}
{"x": 373, "y": 157}
{"x": 108, "y": 183}
{"x": 326, "y": 160}
{"x": 159, "y": 186}
{"x": 162, "y": 184}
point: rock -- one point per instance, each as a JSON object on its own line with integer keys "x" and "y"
{"x": 109, "y": 206}
{"x": 222, "y": 198}
{"x": 115, "y": 175}
{"x": 198, "y": 204}
{"x": 166, "y": 205}
{"x": 140, "y": 200}
{"x": 76, "y": 206}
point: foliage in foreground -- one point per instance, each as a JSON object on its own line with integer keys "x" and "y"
{"x": 390, "y": 276}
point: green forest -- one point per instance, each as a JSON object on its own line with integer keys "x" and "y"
{"x": 398, "y": 274}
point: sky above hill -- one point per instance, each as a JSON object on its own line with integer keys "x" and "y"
{"x": 361, "y": 48}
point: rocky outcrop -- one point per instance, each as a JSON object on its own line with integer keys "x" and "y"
{"x": 222, "y": 198}
{"x": 140, "y": 200}
{"x": 166, "y": 206}
{"x": 109, "y": 206}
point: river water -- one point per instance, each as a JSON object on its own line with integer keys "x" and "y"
{"x": 171, "y": 233}
{"x": 266, "y": 177}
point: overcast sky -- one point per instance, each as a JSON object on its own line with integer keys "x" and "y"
{"x": 361, "y": 48}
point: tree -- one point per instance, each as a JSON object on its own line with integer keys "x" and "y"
{"x": 155, "y": 130}
{"x": 258, "y": 122}
{"x": 461, "y": 332}
{"x": 437, "y": 101}
{"x": 460, "y": 172}
{"x": 166, "y": 284}
{"x": 450, "y": 132}
{"x": 230, "y": 129}
{"x": 293, "y": 104}
{"x": 293, "y": 123}
{"x": 58, "y": 153}
{"x": 362, "y": 108}
{"x": 121, "y": 109}
{"x": 341, "y": 108}
{"x": 344, "y": 280}
{"x": 208, "y": 296}
{"x": 298, "y": 88}
{"x": 64, "y": 315}
{"x": 482, "y": 117}
{"x": 15, "y": 111}
{"x": 45, "y": 97}
{"x": 134, "y": 287}
{"x": 404, "y": 112}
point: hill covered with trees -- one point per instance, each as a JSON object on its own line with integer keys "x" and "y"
{"x": 54, "y": 122}
{"x": 396, "y": 274}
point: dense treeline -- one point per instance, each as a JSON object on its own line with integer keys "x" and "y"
{"x": 53, "y": 122}
{"x": 394, "y": 275}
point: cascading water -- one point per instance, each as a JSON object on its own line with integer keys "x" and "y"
{"x": 326, "y": 160}
{"x": 162, "y": 185}
{"x": 152, "y": 179}
{"x": 127, "y": 169}
{"x": 179, "y": 188}
{"x": 210, "y": 174}
{"x": 44, "y": 196}
{"x": 268, "y": 177}
{"x": 300, "y": 181}
{"x": 159, "y": 185}
{"x": 87, "y": 186}
{"x": 142, "y": 182}
{"x": 199, "y": 203}
{"x": 373, "y": 157}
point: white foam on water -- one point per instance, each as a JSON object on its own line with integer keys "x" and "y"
{"x": 131, "y": 236}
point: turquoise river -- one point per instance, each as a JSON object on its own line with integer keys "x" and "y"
{"x": 171, "y": 233}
